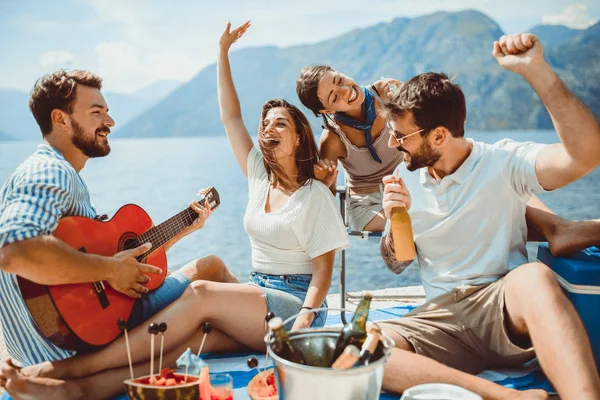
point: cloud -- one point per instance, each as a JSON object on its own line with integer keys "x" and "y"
{"x": 58, "y": 59}
{"x": 126, "y": 67}
{"x": 574, "y": 16}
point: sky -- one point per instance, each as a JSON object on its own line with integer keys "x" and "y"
{"x": 133, "y": 43}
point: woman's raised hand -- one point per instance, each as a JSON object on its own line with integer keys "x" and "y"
{"x": 326, "y": 171}
{"x": 229, "y": 36}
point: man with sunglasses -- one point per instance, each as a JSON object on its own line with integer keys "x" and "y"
{"x": 487, "y": 305}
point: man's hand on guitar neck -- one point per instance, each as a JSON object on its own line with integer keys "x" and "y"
{"x": 129, "y": 274}
{"x": 204, "y": 212}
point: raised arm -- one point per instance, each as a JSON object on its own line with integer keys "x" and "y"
{"x": 577, "y": 154}
{"x": 229, "y": 103}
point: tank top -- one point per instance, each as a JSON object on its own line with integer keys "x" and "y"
{"x": 360, "y": 168}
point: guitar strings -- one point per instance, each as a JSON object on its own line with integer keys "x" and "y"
{"x": 161, "y": 233}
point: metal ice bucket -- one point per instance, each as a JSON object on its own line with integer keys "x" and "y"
{"x": 297, "y": 382}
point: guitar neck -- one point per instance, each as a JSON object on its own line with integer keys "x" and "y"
{"x": 162, "y": 233}
{"x": 167, "y": 230}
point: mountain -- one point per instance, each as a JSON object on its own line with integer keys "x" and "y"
{"x": 5, "y": 137}
{"x": 157, "y": 90}
{"x": 553, "y": 36}
{"x": 124, "y": 107}
{"x": 458, "y": 43}
{"x": 18, "y": 123}
{"x": 15, "y": 118}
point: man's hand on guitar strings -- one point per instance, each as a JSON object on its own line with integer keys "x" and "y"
{"x": 203, "y": 212}
{"x": 129, "y": 274}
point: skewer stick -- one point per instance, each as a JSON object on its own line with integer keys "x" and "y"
{"x": 206, "y": 328}
{"x": 152, "y": 330}
{"x": 162, "y": 328}
{"x": 269, "y": 316}
{"x": 253, "y": 363}
{"x": 123, "y": 327}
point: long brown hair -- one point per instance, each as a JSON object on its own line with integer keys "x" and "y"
{"x": 306, "y": 152}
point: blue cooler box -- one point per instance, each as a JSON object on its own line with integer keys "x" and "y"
{"x": 579, "y": 276}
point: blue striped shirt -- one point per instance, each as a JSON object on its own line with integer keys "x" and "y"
{"x": 43, "y": 189}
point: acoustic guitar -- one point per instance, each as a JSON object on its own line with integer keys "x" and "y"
{"x": 85, "y": 316}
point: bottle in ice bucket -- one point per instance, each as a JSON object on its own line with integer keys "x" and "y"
{"x": 369, "y": 347}
{"x": 348, "y": 358}
{"x": 402, "y": 234}
{"x": 282, "y": 346}
{"x": 354, "y": 332}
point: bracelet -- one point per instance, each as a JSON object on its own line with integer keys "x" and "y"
{"x": 306, "y": 308}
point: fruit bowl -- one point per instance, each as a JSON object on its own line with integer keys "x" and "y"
{"x": 259, "y": 391}
{"x": 166, "y": 386}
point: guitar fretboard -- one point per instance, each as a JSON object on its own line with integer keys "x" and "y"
{"x": 165, "y": 231}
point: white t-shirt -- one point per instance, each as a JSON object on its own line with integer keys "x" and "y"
{"x": 470, "y": 228}
{"x": 285, "y": 241}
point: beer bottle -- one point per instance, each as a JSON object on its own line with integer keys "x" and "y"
{"x": 354, "y": 332}
{"x": 404, "y": 243}
{"x": 282, "y": 346}
{"x": 369, "y": 346}
{"x": 348, "y": 358}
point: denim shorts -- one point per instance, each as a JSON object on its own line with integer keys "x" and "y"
{"x": 153, "y": 302}
{"x": 285, "y": 295}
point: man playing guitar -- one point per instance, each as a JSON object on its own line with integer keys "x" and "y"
{"x": 73, "y": 117}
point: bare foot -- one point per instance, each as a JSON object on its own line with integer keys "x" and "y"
{"x": 535, "y": 394}
{"x": 21, "y": 387}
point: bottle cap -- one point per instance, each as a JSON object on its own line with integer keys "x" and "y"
{"x": 371, "y": 341}
{"x": 275, "y": 323}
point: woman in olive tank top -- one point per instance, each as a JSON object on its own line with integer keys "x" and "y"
{"x": 355, "y": 134}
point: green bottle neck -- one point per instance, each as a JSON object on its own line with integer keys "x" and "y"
{"x": 361, "y": 313}
{"x": 280, "y": 335}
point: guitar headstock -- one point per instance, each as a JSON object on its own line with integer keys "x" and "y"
{"x": 210, "y": 196}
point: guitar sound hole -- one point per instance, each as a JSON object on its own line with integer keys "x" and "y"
{"x": 130, "y": 243}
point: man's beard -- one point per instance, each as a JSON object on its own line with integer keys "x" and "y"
{"x": 422, "y": 158}
{"x": 90, "y": 147}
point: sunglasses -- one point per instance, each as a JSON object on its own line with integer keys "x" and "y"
{"x": 401, "y": 138}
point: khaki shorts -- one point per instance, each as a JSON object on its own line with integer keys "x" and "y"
{"x": 463, "y": 329}
{"x": 362, "y": 208}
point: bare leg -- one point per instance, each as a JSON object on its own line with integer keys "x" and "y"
{"x": 106, "y": 384}
{"x": 236, "y": 310}
{"x": 564, "y": 237}
{"x": 377, "y": 224}
{"x": 538, "y": 310}
{"x": 210, "y": 268}
{"x": 405, "y": 369}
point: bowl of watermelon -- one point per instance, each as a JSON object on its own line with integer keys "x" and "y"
{"x": 167, "y": 385}
{"x": 263, "y": 387}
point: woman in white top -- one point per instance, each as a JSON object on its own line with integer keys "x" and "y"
{"x": 295, "y": 228}
{"x": 293, "y": 222}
